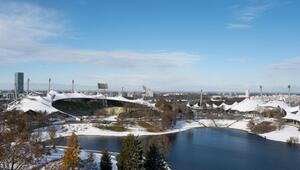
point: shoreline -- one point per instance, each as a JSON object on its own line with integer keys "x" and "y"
{"x": 167, "y": 133}
{"x": 87, "y": 129}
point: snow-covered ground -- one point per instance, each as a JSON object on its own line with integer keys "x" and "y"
{"x": 58, "y": 154}
{"x": 88, "y": 129}
{"x": 241, "y": 125}
{"x": 283, "y": 135}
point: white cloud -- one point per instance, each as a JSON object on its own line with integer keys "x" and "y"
{"x": 26, "y": 22}
{"x": 291, "y": 64}
{"x": 238, "y": 26}
{"x": 24, "y": 29}
{"x": 250, "y": 10}
{"x": 284, "y": 73}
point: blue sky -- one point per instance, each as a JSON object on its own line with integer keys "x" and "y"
{"x": 168, "y": 45}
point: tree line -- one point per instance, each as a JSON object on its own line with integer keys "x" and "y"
{"x": 131, "y": 156}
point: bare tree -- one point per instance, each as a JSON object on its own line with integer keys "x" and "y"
{"x": 280, "y": 123}
{"x": 52, "y": 135}
{"x": 17, "y": 151}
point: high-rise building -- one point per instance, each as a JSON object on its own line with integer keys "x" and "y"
{"x": 19, "y": 83}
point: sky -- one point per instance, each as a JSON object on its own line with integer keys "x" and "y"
{"x": 166, "y": 45}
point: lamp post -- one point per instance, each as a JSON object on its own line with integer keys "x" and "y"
{"x": 73, "y": 86}
{"x": 201, "y": 98}
{"x": 289, "y": 92}
{"x": 49, "y": 85}
{"x": 260, "y": 87}
{"x": 28, "y": 85}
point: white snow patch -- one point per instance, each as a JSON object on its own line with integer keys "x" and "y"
{"x": 284, "y": 134}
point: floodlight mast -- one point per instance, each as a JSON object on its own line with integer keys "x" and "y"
{"x": 289, "y": 93}
{"x": 73, "y": 86}
{"x": 260, "y": 87}
{"x": 201, "y": 98}
{"x": 28, "y": 85}
{"x": 49, "y": 85}
{"x": 103, "y": 86}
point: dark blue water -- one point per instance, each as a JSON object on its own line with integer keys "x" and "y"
{"x": 214, "y": 149}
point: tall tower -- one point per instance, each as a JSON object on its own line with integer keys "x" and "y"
{"x": 19, "y": 83}
{"x": 289, "y": 92}
{"x": 260, "y": 87}
{"x": 28, "y": 85}
{"x": 73, "y": 86}
{"x": 201, "y": 98}
{"x": 49, "y": 85}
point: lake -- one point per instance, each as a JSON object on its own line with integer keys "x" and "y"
{"x": 213, "y": 149}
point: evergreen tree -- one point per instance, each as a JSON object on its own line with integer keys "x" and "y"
{"x": 154, "y": 159}
{"x": 71, "y": 159}
{"x": 105, "y": 163}
{"x": 131, "y": 154}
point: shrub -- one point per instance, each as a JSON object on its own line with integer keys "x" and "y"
{"x": 250, "y": 124}
{"x": 163, "y": 105}
{"x": 117, "y": 128}
{"x": 292, "y": 141}
{"x": 149, "y": 127}
{"x": 263, "y": 127}
{"x": 272, "y": 113}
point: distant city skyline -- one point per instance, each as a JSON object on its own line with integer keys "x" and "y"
{"x": 166, "y": 45}
{"x": 80, "y": 87}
